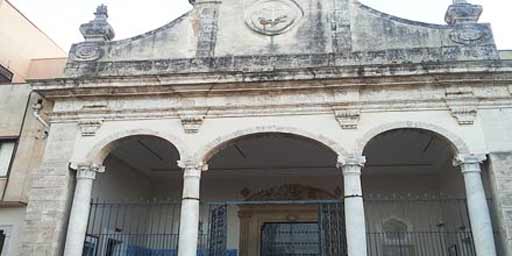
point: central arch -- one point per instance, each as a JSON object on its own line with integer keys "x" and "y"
{"x": 216, "y": 145}
{"x": 263, "y": 178}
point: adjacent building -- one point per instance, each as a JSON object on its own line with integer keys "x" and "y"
{"x": 264, "y": 127}
{"x": 25, "y": 52}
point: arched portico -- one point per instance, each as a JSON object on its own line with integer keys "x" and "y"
{"x": 131, "y": 163}
{"x": 417, "y": 167}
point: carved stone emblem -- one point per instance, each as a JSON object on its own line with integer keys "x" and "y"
{"x": 87, "y": 52}
{"x": 468, "y": 36}
{"x": 273, "y": 17}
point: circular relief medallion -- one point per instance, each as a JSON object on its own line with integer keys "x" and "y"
{"x": 468, "y": 36}
{"x": 87, "y": 52}
{"x": 273, "y": 17}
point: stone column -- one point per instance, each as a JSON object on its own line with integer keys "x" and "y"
{"x": 189, "y": 221}
{"x": 354, "y": 205}
{"x": 79, "y": 216}
{"x": 478, "y": 208}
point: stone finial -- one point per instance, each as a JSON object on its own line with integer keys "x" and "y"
{"x": 99, "y": 29}
{"x": 462, "y": 12}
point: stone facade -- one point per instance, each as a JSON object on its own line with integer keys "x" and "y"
{"x": 336, "y": 72}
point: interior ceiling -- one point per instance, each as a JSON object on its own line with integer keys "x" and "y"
{"x": 403, "y": 151}
{"x": 408, "y": 151}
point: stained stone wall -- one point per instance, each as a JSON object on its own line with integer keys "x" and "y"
{"x": 500, "y": 170}
{"x": 47, "y": 212}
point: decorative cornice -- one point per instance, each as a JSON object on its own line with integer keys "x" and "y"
{"x": 495, "y": 72}
{"x": 89, "y": 127}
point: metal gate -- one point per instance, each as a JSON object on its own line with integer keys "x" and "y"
{"x": 2, "y": 240}
{"x": 290, "y": 238}
{"x": 323, "y": 237}
{"x": 218, "y": 231}
{"x": 332, "y": 229}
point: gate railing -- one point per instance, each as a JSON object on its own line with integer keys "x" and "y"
{"x": 396, "y": 226}
{"x": 2, "y": 240}
{"x": 419, "y": 225}
{"x": 421, "y": 244}
{"x": 132, "y": 228}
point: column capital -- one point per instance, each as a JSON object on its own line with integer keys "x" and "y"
{"x": 469, "y": 162}
{"x": 192, "y": 165}
{"x": 351, "y": 165}
{"x": 88, "y": 171}
{"x": 353, "y": 160}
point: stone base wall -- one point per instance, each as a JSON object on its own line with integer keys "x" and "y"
{"x": 500, "y": 172}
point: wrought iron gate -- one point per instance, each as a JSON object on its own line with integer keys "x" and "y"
{"x": 331, "y": 219}
{"x": 218, "y": 231}
{"x": 290, "y": 238}
{"x": 325, "y": 236}
{"x": 2, "y": 241}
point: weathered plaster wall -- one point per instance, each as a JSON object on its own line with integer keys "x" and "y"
{"x": 13, "y": 106}
{"x": 496, "y": 125}
{"x": 11, "y": 220}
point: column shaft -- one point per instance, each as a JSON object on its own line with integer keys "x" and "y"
{"x": 481, "y": 224}
{"x": 189, "y": 222}
{"x": 79, "y": 216}
{"x": 354, "y": 207}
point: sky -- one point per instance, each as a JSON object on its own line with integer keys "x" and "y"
{"x": 60, "y": 19}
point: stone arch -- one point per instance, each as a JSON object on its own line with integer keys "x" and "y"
{"x": 457, "y": 144}
{"x": 102, "y": 149}
{"x": 219, "y": 143}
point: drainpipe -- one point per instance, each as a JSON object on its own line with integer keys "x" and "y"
{"x": 37, "y": 107}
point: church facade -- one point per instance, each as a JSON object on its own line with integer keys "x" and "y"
{"x": 278, "y": 127}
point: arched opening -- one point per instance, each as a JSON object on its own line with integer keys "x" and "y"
{"x": 269, "y": 188}
{"x": 414, "y": 195}
{"x": 136, "y": 205}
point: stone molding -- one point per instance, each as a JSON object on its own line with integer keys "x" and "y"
{"x": 463, "y": 104}
{"x": 89, "y": 127}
